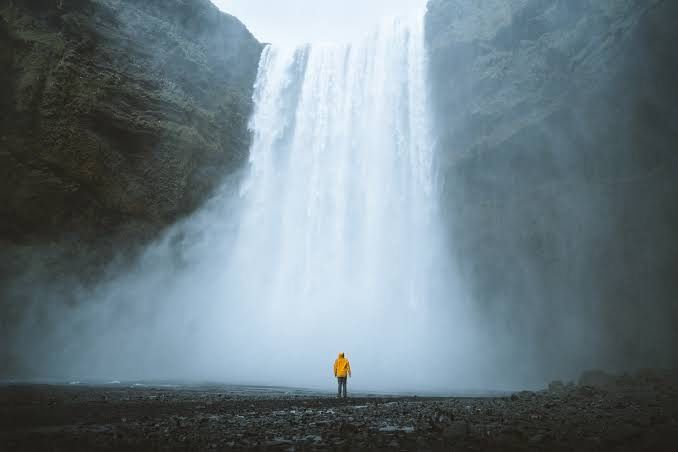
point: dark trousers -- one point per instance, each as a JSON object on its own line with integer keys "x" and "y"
{"x": 342, "y": 384}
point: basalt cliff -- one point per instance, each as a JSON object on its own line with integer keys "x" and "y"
{"x": 557, "y": 132}
{"x": 116, "y": 117}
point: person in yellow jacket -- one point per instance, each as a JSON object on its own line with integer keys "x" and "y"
{"x": 342, "y": 370}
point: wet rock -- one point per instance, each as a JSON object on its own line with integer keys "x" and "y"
{"x": 443, "y": 418}
{"x": 279, "y": 442}
{"x": 596, "y": 378}
{"x": 622, "y": 432}
{"x": 348, "y": 428}
{"x": 104, "y": 131}
{"x": 586, "y": 391}
{"x": 522, "y": 395}
{"x": 557, "y": 387}
{"x": 268, "y": 422}
{"x": 456, "y": 430}
{"x": 512, "y": 78}
{"x": 512, "y": 433}
{"x": 642, "y": 421}
{"x": 538, "y": 438}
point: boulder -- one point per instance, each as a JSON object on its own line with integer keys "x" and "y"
{"x": 596, "y": 378}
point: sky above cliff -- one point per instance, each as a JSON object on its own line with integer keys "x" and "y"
{"x": 292, "y": 22}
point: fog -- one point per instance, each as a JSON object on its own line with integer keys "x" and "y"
{"x": 559, "y": 183}
{"x": 379, "y": 216}
{"x": 328, "y": 241}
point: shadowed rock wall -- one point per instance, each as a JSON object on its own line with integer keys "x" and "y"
{"x": 117, "y": 116}
{"x": 558, "y": 125}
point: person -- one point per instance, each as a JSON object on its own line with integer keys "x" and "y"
{"x": 342, "y": 370}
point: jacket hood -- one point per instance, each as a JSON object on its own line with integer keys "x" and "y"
{"x": 341, "y": 355}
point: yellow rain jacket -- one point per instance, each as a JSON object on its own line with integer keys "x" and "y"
{"x": 342, "y": 367}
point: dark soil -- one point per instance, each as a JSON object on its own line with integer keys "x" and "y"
{"x": 623, "y": 413}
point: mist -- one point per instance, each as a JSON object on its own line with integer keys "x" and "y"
{"x": 457, "y": 199}
{"x": 328, "y": 241}
{"x": 559, "y": 178}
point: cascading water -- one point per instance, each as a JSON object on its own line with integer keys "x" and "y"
{"x": 331, "y": 243}
{"x": 340, "y": 218}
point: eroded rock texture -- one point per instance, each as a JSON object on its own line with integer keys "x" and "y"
{"x": 558, "y": 124}
{"x": 117, "y": 116}
{"x": 629, "y": 413}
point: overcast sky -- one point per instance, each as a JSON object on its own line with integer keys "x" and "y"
{"x": 298, "y": 21}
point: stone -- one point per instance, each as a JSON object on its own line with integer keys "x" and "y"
{"x": 556, "y": 386}
{"x": 106, "y": 137}
{"x": 456, "y": 430}
{"x": 538, "y": 438}
{"x": 348, "y": 428}
{"x": 596, "y": 378}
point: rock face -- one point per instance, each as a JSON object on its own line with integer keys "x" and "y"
{"x": 558, "y": 124}
{"x": 117, "y": 116}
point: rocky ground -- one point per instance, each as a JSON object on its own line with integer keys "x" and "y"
{"x": 600, "y": 413}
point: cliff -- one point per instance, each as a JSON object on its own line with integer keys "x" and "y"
{"x": 117, "y": 116}
{"x": 557, "y": 130}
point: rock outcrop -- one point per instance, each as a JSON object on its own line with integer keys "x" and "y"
{"x": 558, "y": 124}
{"x": 117, "y": 116}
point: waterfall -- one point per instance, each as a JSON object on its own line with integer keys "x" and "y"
{"x": 340, "y": 218}
{"x": 341, "y": 184}
{"x": 329, "y": 242}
